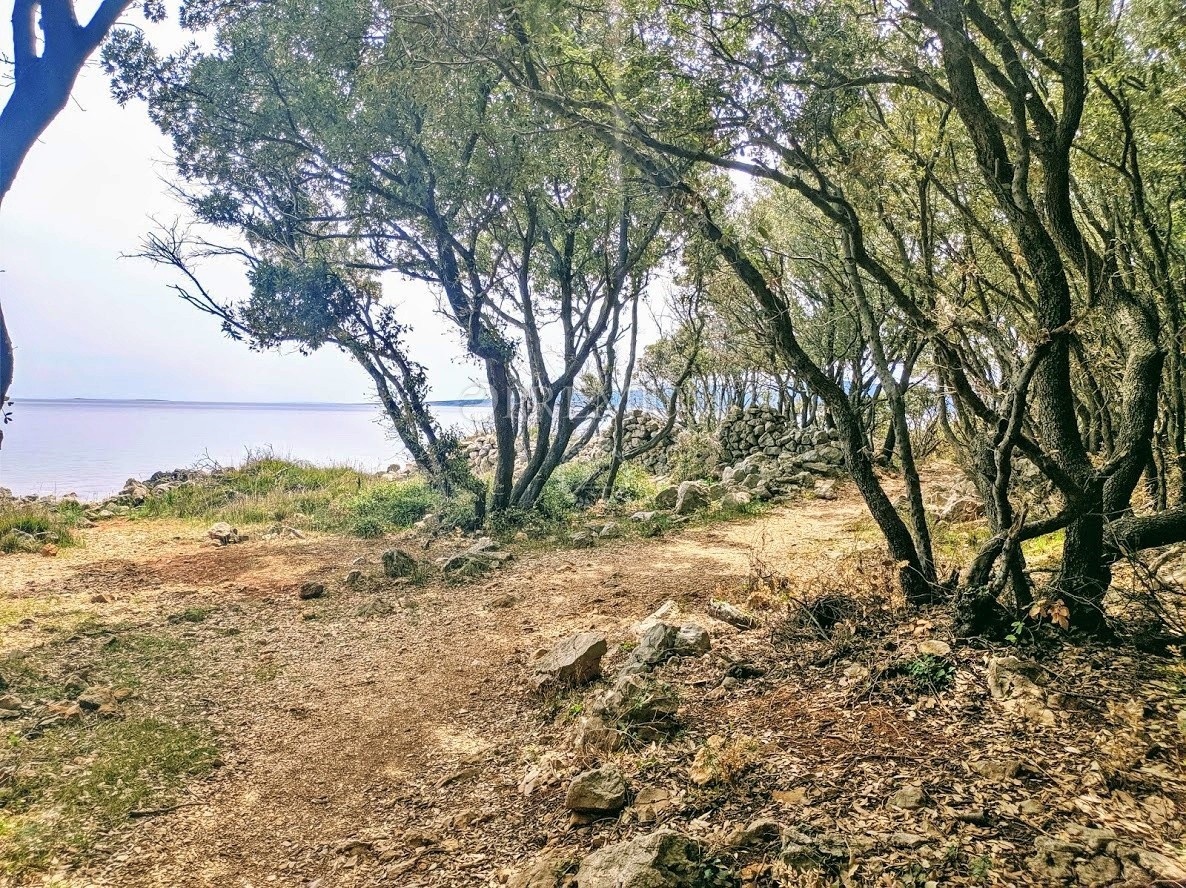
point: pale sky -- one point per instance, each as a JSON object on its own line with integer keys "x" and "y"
{"x": 88, "y": 324}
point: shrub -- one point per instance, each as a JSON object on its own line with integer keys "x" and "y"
{"x": 695, "y": 454}
{"x": 397, "y": 504}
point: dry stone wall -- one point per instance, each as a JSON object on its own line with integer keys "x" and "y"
{"x": 639, "y": 427}
{"x": 760, "y": 431}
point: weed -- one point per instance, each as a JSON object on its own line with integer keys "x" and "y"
{"x": 192, "y": 615}
{"x": 929, "y": 673}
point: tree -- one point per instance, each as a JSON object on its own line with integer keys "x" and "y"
{"x": 41, "y": 86}
{"x": 938, "y": 144}
{"x": 313, "y": 137}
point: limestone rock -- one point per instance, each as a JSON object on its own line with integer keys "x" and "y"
{"x": 1017, "y": 685}
{"x": 731, "y": 614}
{"x": 691, "y": 496}
{"x": 664, "y": 859}
{"x": 222, "y": 533}
{"x": 600, "y": 791}
{"x": 543, "y": 872}
{"x": 908, "y": 798}
{"x": 398, "y": 563}
{"x": 933, "y": 647}
{"x": 667, "y": 498}
{"x": 663, "y": 641}
{"x": 573, "y": 661}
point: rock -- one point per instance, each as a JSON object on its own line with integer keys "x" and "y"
{"x": 668, "y": 610}
{"x": 667, "y": 498}
{"x": 397, "y": 563}
{"x": 10, "y": 706}
{"x": 997, "y": 769}
{"x": 1016, "y": 684}
{"x": 600, "y": 791}
{"x": 691, "y": 496}
{"x": 736, "y": 499}
{"x": 635, "y": 705}
{"x": 574, "y": 661}
{"x": 760, "y": 832}
{"x": 353, "y": 578}
{"x": 828, "y": 851}
{"x": 611, "y": 530}
{"x": 960, "y": 509}
{"x": 664, "y": 859}
{"x": 731, "y": 614}
{"x": 222, "y": 533}
{"x": 905, "y": 840}
{"x": 311, "y": 590}
{"x": 933, "y": 647}
{"x": 650, "y": 803}
{"x": 543, "y": 872}
{"x": 826, "y": 489}
{"x": 582, "y": 539}
{"x": 643, "y": 516}
{"x": 663, "y": 641}
{"x": 908, "y": 798}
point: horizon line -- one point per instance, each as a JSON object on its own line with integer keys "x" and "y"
{"x": 17, "y": 401}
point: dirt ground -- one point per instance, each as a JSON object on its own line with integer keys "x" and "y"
{"x": 381, "y": 735}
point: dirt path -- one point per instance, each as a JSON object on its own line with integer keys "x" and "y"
{"x": 364, "y": 733}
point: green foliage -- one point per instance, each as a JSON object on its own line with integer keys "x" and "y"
{"x": 26, "y": 527}
{"x": 383, "y": 507}
{"x": 929, "y": 673}
{"x": 694, "y": 456}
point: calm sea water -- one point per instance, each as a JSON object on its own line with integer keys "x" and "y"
{"x": 92, "y": 447}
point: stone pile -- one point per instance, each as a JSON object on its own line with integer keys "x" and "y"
{"x": 762, "y": 431}
{"x": 639, "y": 427}
{"x": 482, "y": 453}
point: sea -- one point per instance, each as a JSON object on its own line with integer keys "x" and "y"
{"x": 91, "y": 447}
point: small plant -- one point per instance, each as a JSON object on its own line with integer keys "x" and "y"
{"x": 1020, "y": 632}
{"x": 930, "y": 673}
{"x": 979, "y": 868}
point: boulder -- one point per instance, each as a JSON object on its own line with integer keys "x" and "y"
{"x": 398, "y": 563}
{"x": 663, "y": 641}
{"x": 573, "y": 661}
{"x": 667, "y": 498}
{"x": 222, "y": 533}
{"x": 599, "y": 791}
{"x": 960, "y": 509}
{"x": 663, "y": 859}
{"x": 691, "y": 496}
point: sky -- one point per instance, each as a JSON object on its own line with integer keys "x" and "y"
{"x": 87, "y": 323}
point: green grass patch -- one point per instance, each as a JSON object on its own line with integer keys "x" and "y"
{"x": 266, "y": 490}
{"x": 74, "y": 783}
{"x": 1044, "y": 551}
{"x": 26, "y": 527}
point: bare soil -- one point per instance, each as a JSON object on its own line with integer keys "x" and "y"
{"x": 381, "y": 735}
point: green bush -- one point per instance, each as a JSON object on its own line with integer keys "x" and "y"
{"x": 384, "y": 507}
{"x": 694, "y": 456}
